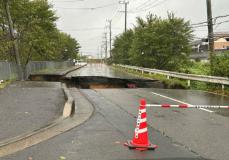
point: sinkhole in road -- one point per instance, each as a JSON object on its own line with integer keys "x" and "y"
{"x": 95, "y": 82}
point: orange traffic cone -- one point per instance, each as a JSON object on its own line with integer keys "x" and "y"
{"x": 140, "y": 140}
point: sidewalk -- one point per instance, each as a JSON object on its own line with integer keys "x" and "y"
{"x": 28, "y": 106}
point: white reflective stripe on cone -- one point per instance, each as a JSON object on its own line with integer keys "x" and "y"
{"x": 142, "y": 110}
{"x": 142, "y": 130}
{"x": 143, "y": 120}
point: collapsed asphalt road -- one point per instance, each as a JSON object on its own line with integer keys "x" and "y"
{"x": 113, "y": 121}
{"x": 181, "y": 134}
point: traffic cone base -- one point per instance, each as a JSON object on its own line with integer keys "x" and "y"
{"x": 131, "y": 145}
{"x": 140, "y": 140}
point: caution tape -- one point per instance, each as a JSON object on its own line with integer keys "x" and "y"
{"x": 186, "y": 106}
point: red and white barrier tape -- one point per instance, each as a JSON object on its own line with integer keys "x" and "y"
{"x": 186, "y": 106}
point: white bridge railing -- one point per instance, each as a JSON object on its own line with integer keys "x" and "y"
{"x": 203, "y": 78}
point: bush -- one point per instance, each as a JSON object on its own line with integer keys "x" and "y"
{"x": 221, "y": 65}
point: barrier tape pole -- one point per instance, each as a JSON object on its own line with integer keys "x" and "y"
{"x": 186, "y": 106}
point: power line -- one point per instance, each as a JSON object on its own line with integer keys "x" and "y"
{"x": 147, "y": 5}
{"x": 143, "y": 4}
{"x": 205, "y": 25}
{"x": 150, "y": 7}
{"x": 89, "y": 8}
{"x": 116, "y": 13}
{"x": 214, "y": 19}
{"x": 226, "y": 21}
{"x": 64, "y": 1}
{"x": 87, "y": 29}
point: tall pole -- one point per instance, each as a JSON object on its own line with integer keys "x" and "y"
{"x": 110, "y": 38}
{"x": 125, "y": 3}
{"x": 13, "y": 38}
{"x": 210, "y": 33}
{"x": 126, "y": 16}
{"x": 105, "y": 34}
{"x": 101, "y": 53}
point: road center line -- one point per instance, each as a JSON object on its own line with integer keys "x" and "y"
{"x": 176, "y": 100}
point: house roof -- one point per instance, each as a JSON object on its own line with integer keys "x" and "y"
{"x": 221, "y": 34}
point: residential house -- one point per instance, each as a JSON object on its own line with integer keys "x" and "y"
{"x": 221, "y": 43}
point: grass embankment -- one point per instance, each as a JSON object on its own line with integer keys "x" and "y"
{"x": 175, "y": 83}
{"x": 4, "y": 84}
{"x": 201, "y": 68}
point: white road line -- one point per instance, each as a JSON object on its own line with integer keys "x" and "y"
{"x": 176, "y": 100}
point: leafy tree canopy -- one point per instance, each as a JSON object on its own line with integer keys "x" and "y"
{"x": 36, "y": 33}
{"x": 155, "y": 42}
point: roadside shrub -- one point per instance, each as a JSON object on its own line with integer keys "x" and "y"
{"x": 221, "y": 65}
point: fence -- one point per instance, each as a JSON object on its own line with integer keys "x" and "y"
{"x": 36, "y": 66}
{"x": 8, "y": 70}
{"x": 209, "y": 79}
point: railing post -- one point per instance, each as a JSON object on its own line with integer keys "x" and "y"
{"x": 189, "y": 83}
{"x": 168, "y": 77}
{"x": 222, "y": 87}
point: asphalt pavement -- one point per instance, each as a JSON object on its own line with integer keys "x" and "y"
{"x": 201, "y": 131}
{"x": 112, "y": 123}
{"x": 101, "y": 70}
{"x": 28, "y": 106}
{"x": 181, "y": 134}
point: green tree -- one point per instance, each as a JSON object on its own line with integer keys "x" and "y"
{"x": 157, "y": 43}
{"x": 36, "y": 32}
{"x": 68, "y": 48}
{"x": 161, "y": 43}
{"x": 122, "y": 45}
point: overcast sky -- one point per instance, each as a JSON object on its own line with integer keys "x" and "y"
{"x": 86, "y": 20}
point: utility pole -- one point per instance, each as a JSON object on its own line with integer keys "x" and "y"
{"x": 125, "y": 3}
{"x": 210, "y": 33}
{"x": 14, "y": 39}
{"x": 105, "y": 42}
{"x": 110, "y": 37}
{"x": 101, "y": 53}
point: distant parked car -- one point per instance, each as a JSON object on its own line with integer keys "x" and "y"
{"x": 80, "y": 63}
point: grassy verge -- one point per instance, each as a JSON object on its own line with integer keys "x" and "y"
{"x": 174, "y": 83}
{"x": 198, "y": 68}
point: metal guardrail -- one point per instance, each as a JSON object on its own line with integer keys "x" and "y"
{"x": 209, "y": 79}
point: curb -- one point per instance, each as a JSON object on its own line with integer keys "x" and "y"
{"x": 51, "y": 130}
{"x": 69, "y": 107}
